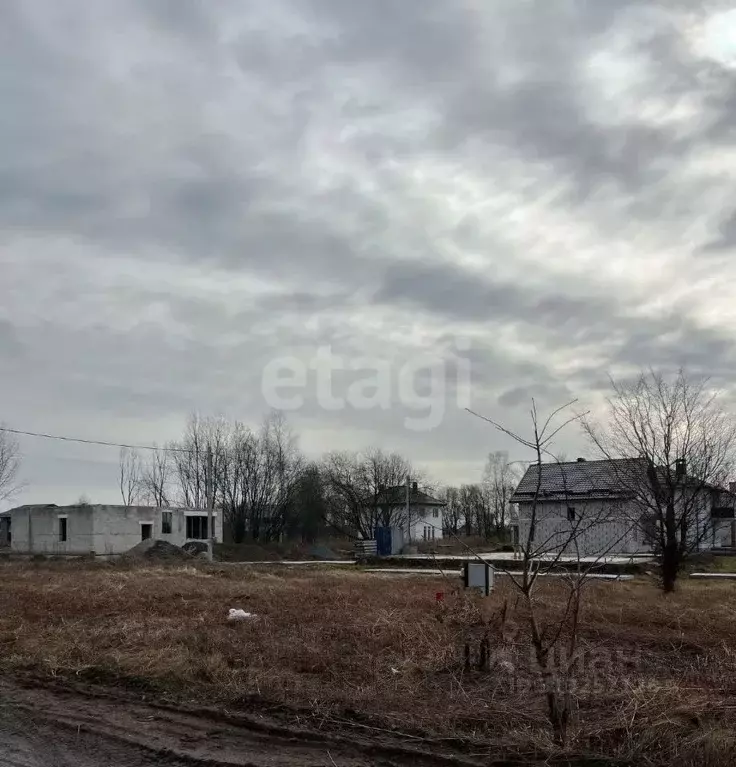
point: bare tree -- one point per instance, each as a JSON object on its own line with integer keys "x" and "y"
{"x": 467, "y": 511}
{"x": 156, "y": 478}
{"x": 453, "y": 516}
{"x": 258, "y": 479}
{"x": 9, "y": 465}
{"x": 357, "y": 485}
{"x": 310, "y": 509}
{"x": 189, "y": 458}
{"x": 346, "y": 495}
{"x": 681, "y": 447}
{"x": 255, "y": 474}
{"x": 130, "y": 476}
{"x": 475, "y": 509}
{"x": 548, "y": 549}
{"x": 499, "y": 481}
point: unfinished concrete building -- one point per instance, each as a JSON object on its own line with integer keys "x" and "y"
{"x": 98, "y": 529}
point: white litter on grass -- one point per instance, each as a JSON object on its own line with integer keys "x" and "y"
{"x": 239, "y": 615}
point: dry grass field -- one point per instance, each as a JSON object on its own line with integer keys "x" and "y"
{"x": 655, "y": 683}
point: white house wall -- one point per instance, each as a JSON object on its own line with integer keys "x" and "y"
{"x": 723, "y": 533}
{"x": 423, "y": 517}
{"x": 601, "y": 527}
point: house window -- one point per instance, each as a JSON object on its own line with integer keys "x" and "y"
{"x": 166, "y": 522}
{"x": 570, "y": 513}
{"x": 436, "y": 513}
{"x": 197, "y": 528}
{"x": 146, "y": 531}
{"x": 62, "y": 529}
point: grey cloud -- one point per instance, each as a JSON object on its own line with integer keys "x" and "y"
{"x": 726, "y": 239}
{"x": 455, "y": 293}
{"x": 670, "y": 341}
{"x": 189, "y": 19}
{"x": 674, "y": 343}
{"x": 523, "y": 395}
{"x": 11, "y": 348}
{"x": 542, "y": 115}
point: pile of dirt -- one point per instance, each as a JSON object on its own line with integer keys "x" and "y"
{"x": 195, "y": 548}
{"x": 156, "y": 549}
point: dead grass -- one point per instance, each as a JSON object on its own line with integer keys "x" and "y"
{"x": 655, "y": 683}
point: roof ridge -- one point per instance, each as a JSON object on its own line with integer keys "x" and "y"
{"x": 586, "y": 460}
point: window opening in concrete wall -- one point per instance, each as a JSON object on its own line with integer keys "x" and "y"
{"x": 62, "y": 529}
{"x": 570, "y": 513}
{"x": 146, "y": 531}
{"x": 197, "y": 528}
{"x": 166, "y": 519}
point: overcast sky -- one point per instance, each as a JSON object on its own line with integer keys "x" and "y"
{"x": 543, "y": 192}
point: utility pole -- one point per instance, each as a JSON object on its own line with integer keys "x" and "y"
{"x": 408, "y": 508}
{"x": 210, "y": 491}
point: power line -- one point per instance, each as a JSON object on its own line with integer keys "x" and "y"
{"x": 93, "y": 441}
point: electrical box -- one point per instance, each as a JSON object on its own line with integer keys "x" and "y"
{"x": 478, "y": 575}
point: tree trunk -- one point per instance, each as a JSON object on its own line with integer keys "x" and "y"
{"x": 559, "y": 716}
{"x": 238, "y": 528}
{"x": 671, "y": 551}
{"x": 670, "y": 566}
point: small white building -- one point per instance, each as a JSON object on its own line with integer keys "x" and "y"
{"x": 100, "y": 530}
{"x": 425, "y": 518}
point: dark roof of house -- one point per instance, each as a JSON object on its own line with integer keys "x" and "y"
{"x": 593, "y": 479}
{"x": 396, "y": 496}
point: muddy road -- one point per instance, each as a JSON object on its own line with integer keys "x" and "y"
{"x": 63, "y": 727}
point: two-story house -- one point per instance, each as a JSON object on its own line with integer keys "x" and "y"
{"x": 425, "y": 517}
{"x": 595, "y": 508}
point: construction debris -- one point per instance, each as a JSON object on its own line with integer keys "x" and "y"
{"x": 156, "y": 549}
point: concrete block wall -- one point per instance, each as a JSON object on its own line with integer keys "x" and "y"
{"x": 36, "y": 529}
{"x": 96, "y": 529}
{"x": 116, "y": 529}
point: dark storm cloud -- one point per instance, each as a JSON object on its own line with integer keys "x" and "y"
{"x": 669, "y": 341}
{"x": 459, "y": 295}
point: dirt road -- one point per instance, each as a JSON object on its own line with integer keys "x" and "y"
{"x": 62, "y": 727}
